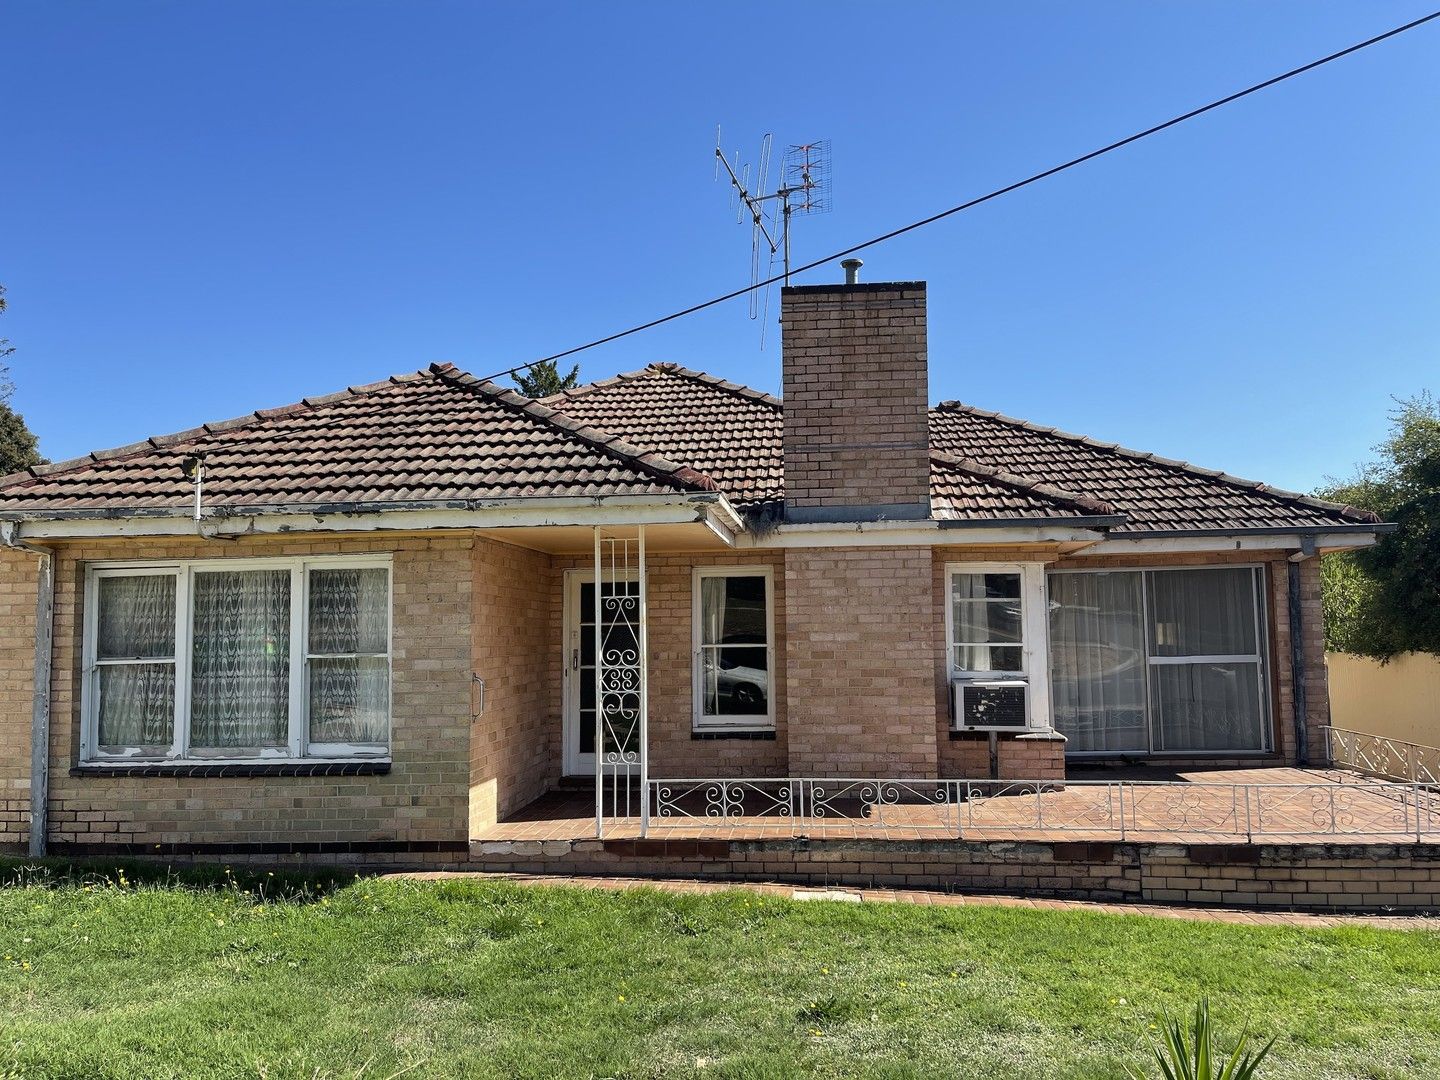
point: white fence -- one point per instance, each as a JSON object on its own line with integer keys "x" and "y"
{"x": 1375, "y": 755}
{"x": 988, "y": 809}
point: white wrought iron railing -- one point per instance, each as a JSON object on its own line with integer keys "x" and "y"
{"x": 1375, "y": 755}
{"x": 991, "y": 809}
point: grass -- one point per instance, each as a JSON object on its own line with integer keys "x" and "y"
{"x": 134, "y": 973}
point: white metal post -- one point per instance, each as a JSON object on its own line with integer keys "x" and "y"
{"x": 644, "y": 600}
{"x": 599, "y": 697}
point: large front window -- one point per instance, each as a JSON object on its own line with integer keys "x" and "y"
{"x": 1160, "y": 661}
{"x": 238, "y": 660}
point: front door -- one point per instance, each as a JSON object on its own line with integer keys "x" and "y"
{"x": 620, "y": 616}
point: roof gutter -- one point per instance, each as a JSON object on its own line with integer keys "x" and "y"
{"x": 1279, "y": 530}
{"x": 75, "y": 522}
{"x": 40, "y": 697}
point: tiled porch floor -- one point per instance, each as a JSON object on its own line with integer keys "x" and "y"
{"x": 1194, "y": 806}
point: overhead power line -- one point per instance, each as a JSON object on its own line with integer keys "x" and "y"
{"x": 1007, "y": 189}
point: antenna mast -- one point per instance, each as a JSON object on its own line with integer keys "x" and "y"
{"x": 804, "y": 188}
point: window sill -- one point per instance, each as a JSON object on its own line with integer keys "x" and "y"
{"x": 957, "y": 734}
{"x": 716, "y": 734}
{"x": 217, "y": 769}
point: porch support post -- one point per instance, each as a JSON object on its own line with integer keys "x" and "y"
{"x": 644, "y": 658}
{"x": 599, "y": 697}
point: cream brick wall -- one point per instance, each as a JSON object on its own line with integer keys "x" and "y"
{"x": 423, "y": 799}
{"x": 859, "y": 683}
{"x": 515, "y": 743}
{"x": 674, "y": 751}
{"x": 17, "y": 661}
{"x": 856, "y": 397}
{"x": 860, "y": 658}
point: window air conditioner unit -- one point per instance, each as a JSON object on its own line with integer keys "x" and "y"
{"x": 989, "y": 704}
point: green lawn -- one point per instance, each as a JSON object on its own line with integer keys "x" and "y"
{"x": 274, "y": 977}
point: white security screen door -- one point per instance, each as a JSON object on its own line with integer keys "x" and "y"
{"x": 621, "y": 632}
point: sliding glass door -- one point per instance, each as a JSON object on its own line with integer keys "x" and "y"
{"x": 1160, "y": 661}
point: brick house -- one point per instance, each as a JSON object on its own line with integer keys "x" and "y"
{"x": 368, "y": 622}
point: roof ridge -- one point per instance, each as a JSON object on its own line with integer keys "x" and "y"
{"x": 1173, "y": 464}
{"x": 259, "y": 416}
{"x": 738, "y": 389}
{"x": 591, "y": 387}
{"x": 1024, "y": 483}
{"x": 636, "y": 456}
{"x": 669, "y": 368}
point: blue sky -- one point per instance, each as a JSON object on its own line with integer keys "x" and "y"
{"x": 210, "y": 208}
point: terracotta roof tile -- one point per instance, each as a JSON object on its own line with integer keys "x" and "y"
{"x": 1155, "y": 493}
{"x": 436, "y": 435}
{"x": 733, "y": 434}
{"x": 729, "y": 432}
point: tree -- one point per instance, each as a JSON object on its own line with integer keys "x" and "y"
{"x": 19, "y": 448}
{"x": 543, "y": 379}
{"x": 1385, "y": 600}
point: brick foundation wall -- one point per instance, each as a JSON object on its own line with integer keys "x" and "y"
{"x": 856, "y": 399}
{"x": 421, "y": 803}
{"x": 1343, "y": 877}
{"x": 859, "y": 662}
{"x": 17, "y": 661}
{"x": 515, "y": 648}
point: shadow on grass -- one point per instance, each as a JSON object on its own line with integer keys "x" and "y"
{"x": 258, "y": 884}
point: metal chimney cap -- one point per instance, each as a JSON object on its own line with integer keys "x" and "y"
{"x": 852, "y": 270}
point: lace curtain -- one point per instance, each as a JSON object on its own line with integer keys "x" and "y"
{"x": 349, "y": 668}
{"x": 135, "y": 655}
{"x": 240, "y": 659}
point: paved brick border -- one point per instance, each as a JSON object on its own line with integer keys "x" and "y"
{"x": 1387, "y": 878}
{"x": 929, "y": 898}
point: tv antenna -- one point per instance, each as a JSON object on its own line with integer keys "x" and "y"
{"x": 804, "y": 188}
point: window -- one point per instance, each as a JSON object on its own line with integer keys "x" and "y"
{"x": 238, "y": 660}
{"x": 995, "y": 644}
{"x": 734, "y": 647}
{"x": 1160, "y": 660}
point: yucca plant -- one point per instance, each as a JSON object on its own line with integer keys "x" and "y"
{"x": 1184, "y": 1055}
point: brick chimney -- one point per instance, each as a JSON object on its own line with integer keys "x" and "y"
{"x": 856, "y": 402}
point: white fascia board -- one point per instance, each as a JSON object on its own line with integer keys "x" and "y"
{"x": 912, "y": 533}
{"x": 1324, "y": 541}
{"x": 487, "y": 514}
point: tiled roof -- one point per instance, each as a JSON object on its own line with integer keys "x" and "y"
{"x": 733, "y": 434}
{"x": 729, "y": 432}
{"x": 443, "y": 436}
{"x": 432, "y": 436}
{"x": 1155, "y": 493}
{"x": 961, "y": 489}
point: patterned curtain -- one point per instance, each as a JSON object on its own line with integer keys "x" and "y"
{"x": 349, "y": 665}
{"x": 135, "y": 652}
{"x": 240, "y": 661}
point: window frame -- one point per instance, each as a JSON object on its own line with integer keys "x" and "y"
{"x": 298, "y": 747}
{"x": 700, "y": 720}
{"x": 1263, "y": 659}
{"x": 1034, "y": 642}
